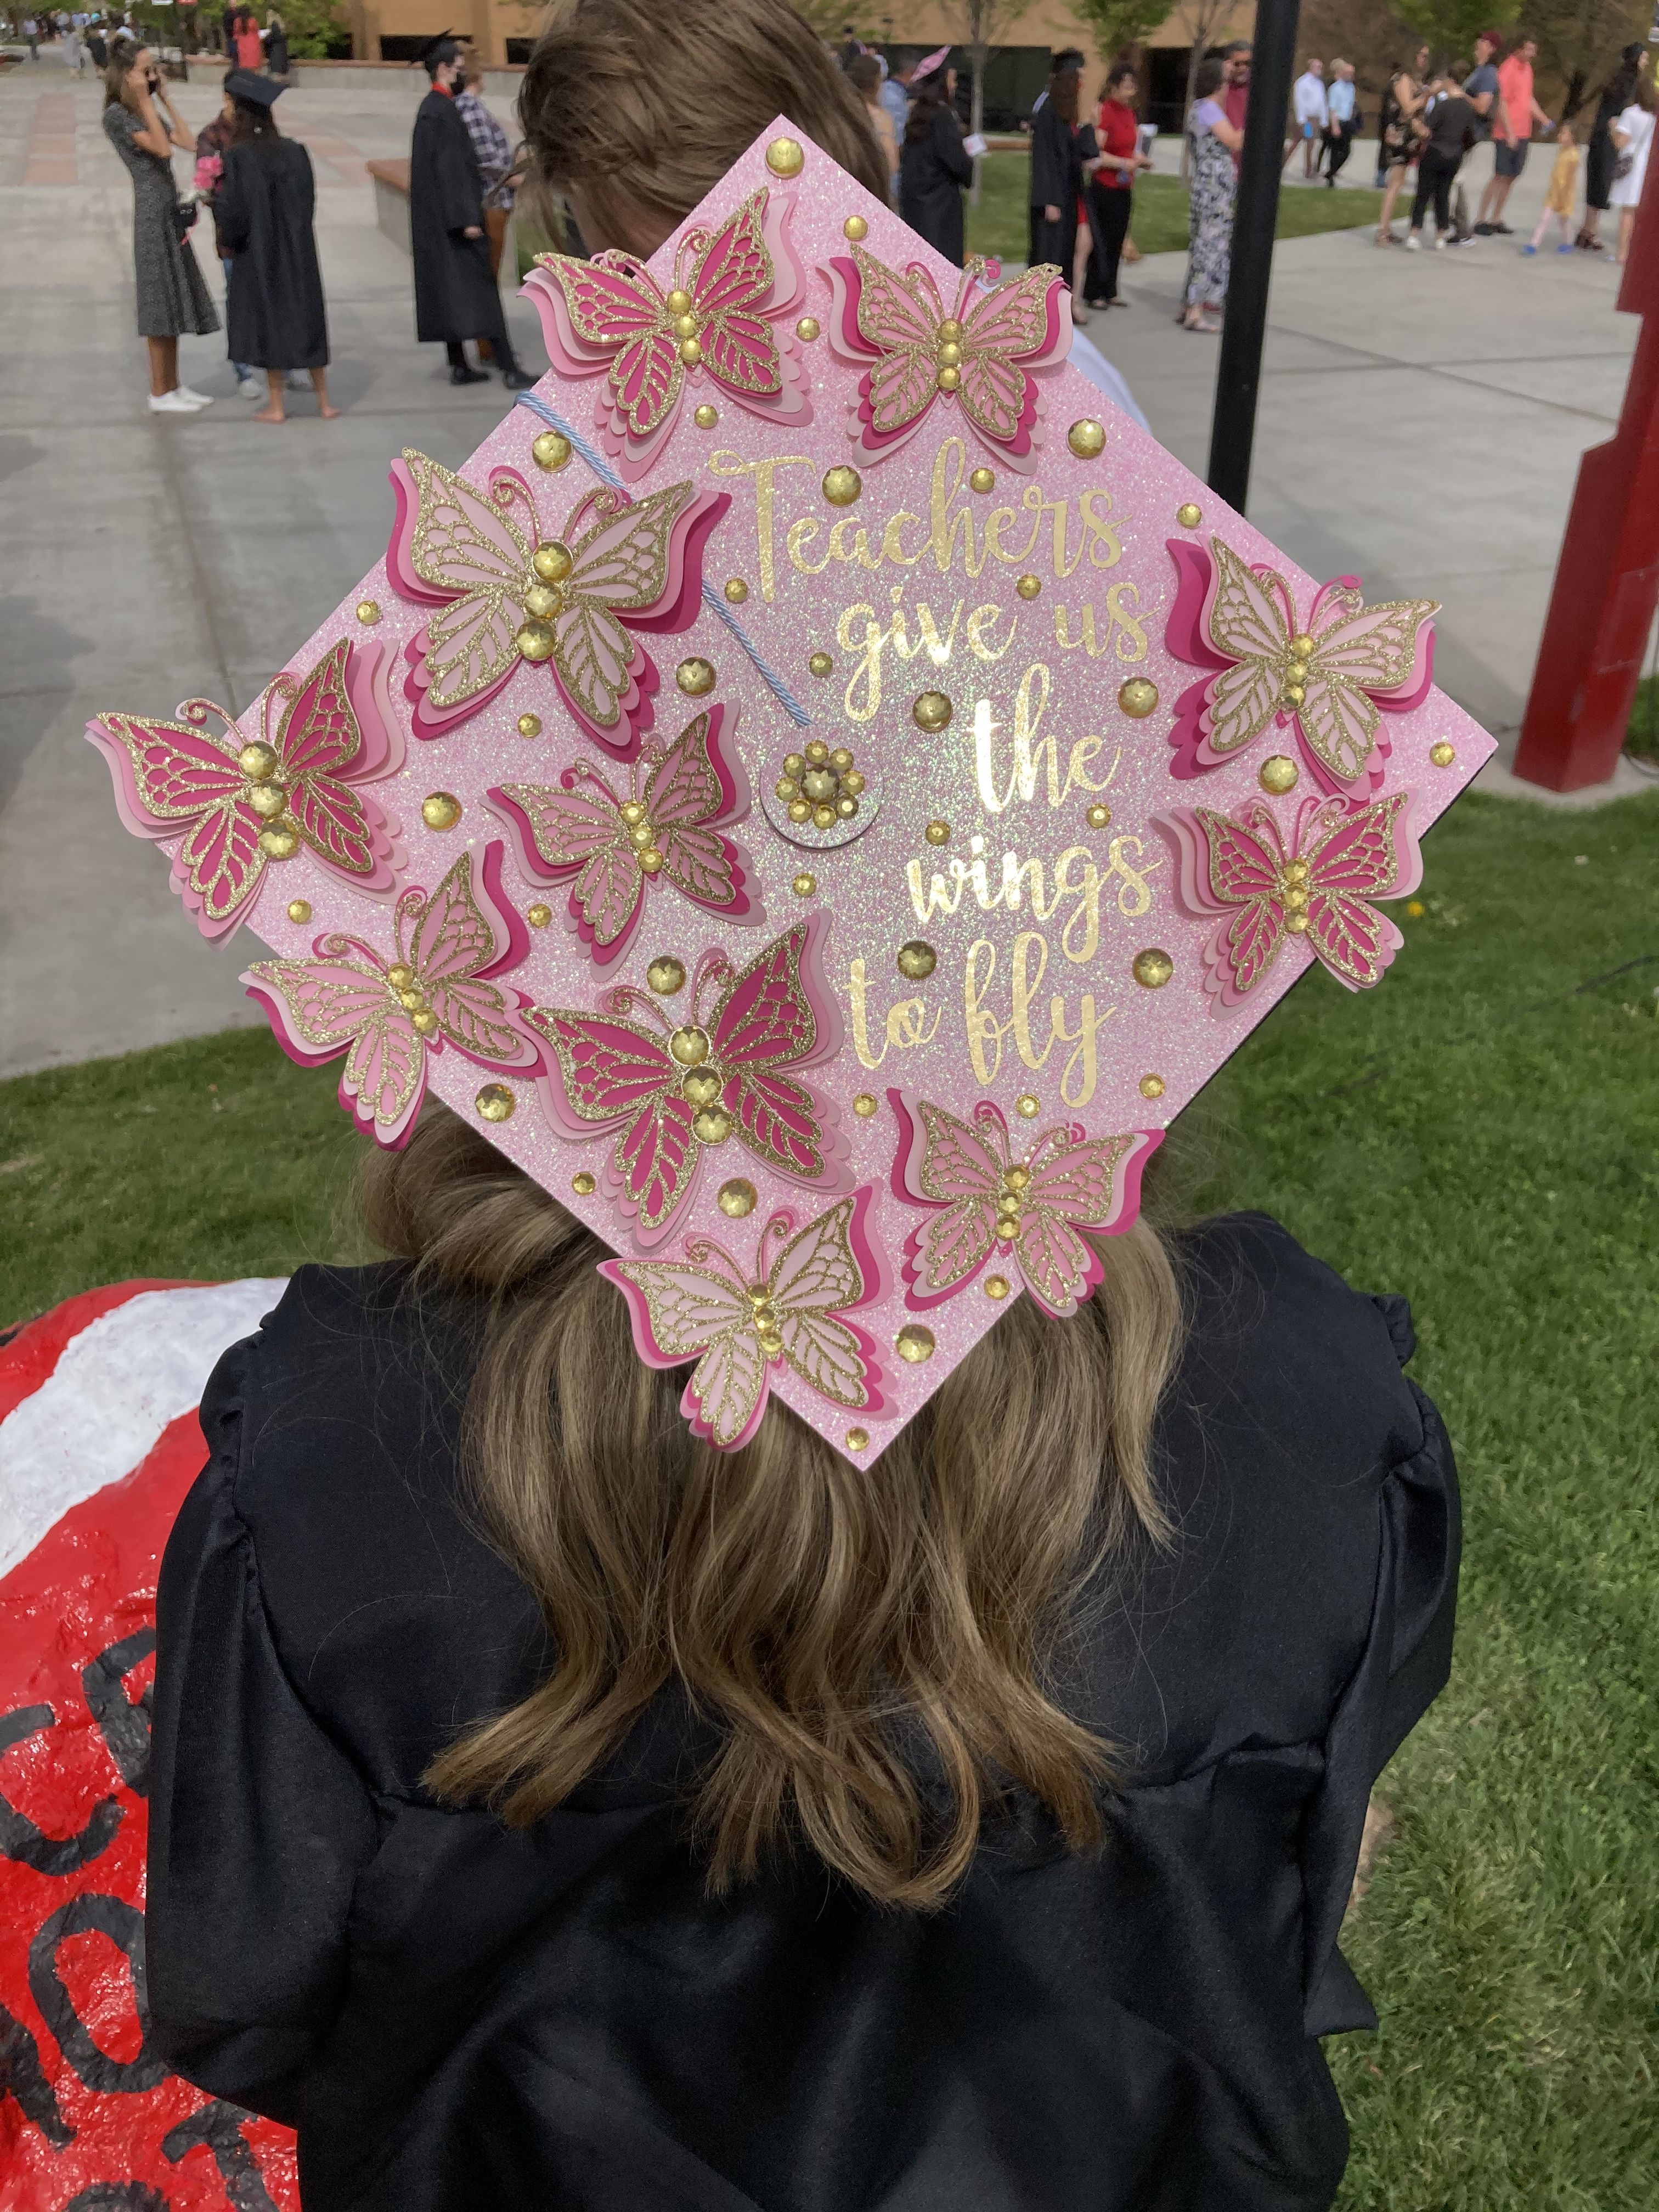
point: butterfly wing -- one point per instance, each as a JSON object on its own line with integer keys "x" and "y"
{"x": 772, "y": 1013}
{"x": 895, "y": 318}
{"x": 1018, "y": 323}
{"x": 816, "y": 1277}
{"x": 174, "y": 781}
{"x": 1359, "y": 651}
{"x": 690, "y": 787}
{"x": 1367, "y": 853}
{"x": 613, "y": 1075}
{"x": 561, "y": 832}
{"x": 319, "y": 1008}
{"x": 609, "y": 314}
{"x": 679, "y": 1311}
{"x": 319, "y": 742}
{"x": 1229, "y": 865}
{"x": 946, "y": 1164}
{"x": 626, "y": 566}
{"x": 454, "y": 548}
{"x": 1248, "y": 622}
{"x": 732, "y": 278}
{"x": 1082, "y": 1186}
{"x": 459, "y": 934}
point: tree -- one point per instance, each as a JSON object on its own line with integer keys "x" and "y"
{"x": 1452, "y": 27}
{"x": 1201, "y": 20}
{"x": 981, "y": 22}
{"x": 1578, "y": 42}
{"x": 830, "y": 19}
{"x": 1114, "y": 26}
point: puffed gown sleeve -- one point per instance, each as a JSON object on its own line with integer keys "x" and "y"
{"x": 1401, "y": 1670}
{"x": 260, "y": 1824}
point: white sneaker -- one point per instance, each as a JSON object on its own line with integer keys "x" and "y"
{"x": 195, "y": 398}
{"x": 1439, "y": 242}
{"x": 1413, "y": 245}
{"x": 249, "y": 387}
{"x": 172, "y": 402}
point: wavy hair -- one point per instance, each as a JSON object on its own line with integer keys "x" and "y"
{"x": 880, "y": 1647}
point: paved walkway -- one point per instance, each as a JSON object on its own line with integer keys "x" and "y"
{"x": 1422, "y": 419}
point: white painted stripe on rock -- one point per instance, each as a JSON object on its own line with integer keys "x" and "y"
{"x": 115, "y": 1388}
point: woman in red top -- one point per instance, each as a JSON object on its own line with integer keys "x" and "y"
{"x": 250, "y": 48}
{"x": 1118, "y": 135}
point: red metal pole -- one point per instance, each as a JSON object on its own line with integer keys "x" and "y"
{"x": 1606, "y": 580}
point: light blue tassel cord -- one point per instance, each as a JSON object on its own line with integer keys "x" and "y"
{"x": 711, "y": 598}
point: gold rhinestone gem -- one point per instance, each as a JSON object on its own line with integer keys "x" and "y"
{"x": 1138, "y": 697}
{"x": 982, "y": 480}
{"x": 267, "y": 800}
{"x": 1296, "y": 923}
{"x": 948, "y": 380}
{"x": 857, "y": 1439}
{"x": 496, "y": 1102}
{"x": 665, "y": 975}
{"x": 1153, "y": 967}
{"x": 1086, "y": 438}
{"x": 542, "y": 601}
{"x": 695, "y": 676}
{"x": 423, "y": 1022}
{"x": 535, "y": 640}
{"x": 702, "y": 1086}
{"x": 257, "y": 761}
{"x": 737, "y": 1198}
{"x": 1187, "y": 515}
{"x": 785, "y": 157}
{"x": 551, "y": 451}
{"x": 553, "y": 561}
{"x": 713, "y": 1126}
{"x": 678, "y": 300}
{"x": 539, "y": 915}
{"x": 1277, "y": 774}
{"x": 801, "y": 810}
{"x": 530, "y": 726}
{"x": 916, "y": 960}
{"x": 933, "y": 711}
{"x": 690, "y": 1045}
{"x": 736, "y": 590}
{"x": 807, "y": 328}
{"x": 368, "y": 612}
{"x": 804, "y": 886}
{"x": 855, "y": 228}
{"x": 938, "y": 833}
{"x": 582, "y": 1183}
{"x": 1442, "y": 754}
{"x": 299, "y": 910}
{"x": 1027, "y": 1107}
{"x": 864, "y": 1104}
{"x": 440, "y": 809}
{"x": 651, "y": 861}
{"x": 915, "y": 1343}
{"x": 842, "y": 484}
{"x": 821, "y": 664}
{"x": 705, "y": 416}
{"x": 996, "y": 1286}
{"x": 1151, "y": 1086}
{"x": 1028, "y": 586}
{"x": 1098, "y": 818}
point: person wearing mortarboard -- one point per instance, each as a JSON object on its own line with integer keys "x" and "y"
{"x": 456, "y": 296}
{"x": 263, "y": 214}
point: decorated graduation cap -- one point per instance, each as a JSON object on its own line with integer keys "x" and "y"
{"x": 818, "y": 790}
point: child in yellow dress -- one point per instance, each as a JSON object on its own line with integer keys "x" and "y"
{"x": 1563, "y": 192}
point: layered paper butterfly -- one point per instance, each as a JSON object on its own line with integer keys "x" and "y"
{"x": 729, "y": 1071}
{"x": 720, "y": 318}
{"x": 1328, "y": 678}
{"x": 745, "y": 1323}
{"x": 388, "y": 1015}
{"x": 668, "y": 829}
{"x": 237, "y": 806}
{"x": 983, "y": 1201}
{"x": 982, "y": 357}
{"x": 1315, "y": 887}
{"x": 574, "y": 601}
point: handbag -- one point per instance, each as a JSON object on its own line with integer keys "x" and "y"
{"x": 185, "y": 213}
{"x": 1623, "y": 165}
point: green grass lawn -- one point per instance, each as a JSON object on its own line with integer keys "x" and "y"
{"x": 1158, "y": 225}
{"x": 1479, "y": 1133}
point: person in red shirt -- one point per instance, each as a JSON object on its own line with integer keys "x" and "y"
{"x": 1117, "y": 135}
{"x": 1513, "y": 114}
{"x": 250, "y": 47}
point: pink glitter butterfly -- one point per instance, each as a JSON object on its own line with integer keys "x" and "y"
{"x": 1328, "y": 679}
{"x": 741, "y": 1324}
{"x": 625, "y": 566}
{"x": 980, "y": 358}
{"x": 388, "y": 1015}
{"x": 983, "y": 1201}
{"x": 237, "y": 807}
{"x": 666, "y": 830}
{"x": 670, "y": 1094}
{"x": 1341, "y": 854}
{"x": 721, "y": 319}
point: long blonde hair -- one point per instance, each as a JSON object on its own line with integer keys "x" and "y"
{"x": 845, "y": 1627}
{"x": 644, "y": 106}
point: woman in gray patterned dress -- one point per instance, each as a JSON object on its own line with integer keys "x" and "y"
{"x": 172, "y": 296}
{"x": 1213, "y": 141}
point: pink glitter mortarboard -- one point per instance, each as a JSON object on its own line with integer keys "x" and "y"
{"x": 820, "y": 788}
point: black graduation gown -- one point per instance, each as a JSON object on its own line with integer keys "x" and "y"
{"x": 262, "y": 214}
{"x": 455, "y": 296}
{"x": 932, "y": 171}
{"x": 459, "y": 2017}
{"x": 1056, "y": 179}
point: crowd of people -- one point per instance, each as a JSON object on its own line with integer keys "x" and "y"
{"x": 1435, "y": 113}
{"x": 85, "y": 36}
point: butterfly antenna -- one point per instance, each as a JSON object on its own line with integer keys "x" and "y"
{"x": 780, "y": 1224}
{"x": 700, "y": 1250}
{"x": 715, "y": 966}
{"x": 196, "y": 712}
{"x": 624, "y": 999}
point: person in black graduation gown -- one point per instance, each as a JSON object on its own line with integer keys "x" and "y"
{"x": 933, "y": 167}
{"x": 456, "y": 294}
{"x": 263, "y": 214}
{"x": 1056, "y": 173}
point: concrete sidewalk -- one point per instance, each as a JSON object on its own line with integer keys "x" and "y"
{"x": 1421, "y": 422}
